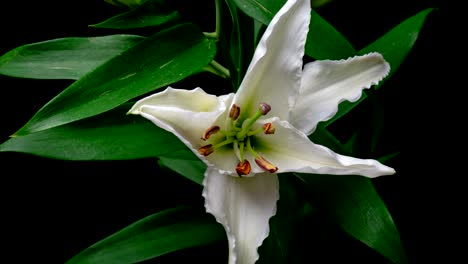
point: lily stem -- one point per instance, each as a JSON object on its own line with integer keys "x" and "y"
{"x": 218, "y": 69}
{"x": 215, "y": 34}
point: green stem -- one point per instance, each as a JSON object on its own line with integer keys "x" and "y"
{"x": 249, "y": 147}
{"x": 225, "y": 142}
{"x": 218, "y": 69}
{"x": 215, "y": 34}
{"x": 241, "y": 151}
{"x": 246, "y": 128}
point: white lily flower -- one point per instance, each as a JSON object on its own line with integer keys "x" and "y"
{"x": 248, "y": 137}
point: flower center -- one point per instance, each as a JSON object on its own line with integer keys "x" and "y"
{"x": 239, "y": 136}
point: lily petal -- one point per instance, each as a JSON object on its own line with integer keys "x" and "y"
{"x": 243, "y": 206}
{"x": 274, "y": 74}
{"x": 186, "y": 114}
{"x": 291, "y": 151}
{"x": 327, "y": 83}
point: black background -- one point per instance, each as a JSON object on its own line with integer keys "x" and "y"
{"x": 52, "y": 209}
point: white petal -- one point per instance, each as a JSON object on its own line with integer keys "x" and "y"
{"x": 243, "y": 206}
{"x": 274, "y": 74}
{"x": 327, "y": 83}
{"x": 187, "y": 114}
{"x": 290, "y": 150}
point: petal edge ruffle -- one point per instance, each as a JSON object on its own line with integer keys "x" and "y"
{"x": 325, "y": 84}
{"x": 243, "y": 206}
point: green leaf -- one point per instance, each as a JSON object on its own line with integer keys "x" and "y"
{"x": 234, "y": 45}
{"x": 323, "y": 40}
{"x": 167, "y": 57}
{"x": 185, "y": 163}
{"x": 319, "y": 3}
{"x": 153, "y": 236}
{"x": 394, "y": 46}
{"x": 398, "y": 42}
{"x": 388, "y": 157}
{"x": 240, "y": 43}
{"x": 261, "y": 10}
{"x": 285, "y": 226}
{"x": 109, "y": 136}
{"x": 351, "y": 145}
{"x": 64, "y": 58}
{"x": 126, "y": 3}
{"x": 324, "y": 137}
{"x": 151, "y": 13}
{"x": 354, "y": 204}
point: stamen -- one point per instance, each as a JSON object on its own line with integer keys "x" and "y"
{"x": 249, "y": 147}
{"x": 261, "y": 161}
{"x": 265, "y": 164}
{"x": 225, "y": 142}
{"x": 243, "y": 168}
{"x": 234, "y": 112}
{"x": 210, "y": 131}
{"x": 265, "y": 108}
{"x": 268, "y": 128}
{"x": 206, "y": 150}
{"x": 239, "y": 134}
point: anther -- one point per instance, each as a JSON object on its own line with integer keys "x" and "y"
{"x": 210, "y": 131}
{"x": 243, "y": 168}
{"x": 206, "y": 150}
{"x": 265, "y": 108}
{"x": 268, "y": 128}
{"x": 265, "y": 164}
{"x": 234, "y": 112}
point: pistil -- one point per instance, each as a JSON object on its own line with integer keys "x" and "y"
{"x": 263, "y": 109}
{"x": 239, "y": 135}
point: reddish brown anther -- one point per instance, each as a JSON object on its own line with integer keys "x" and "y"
{"x": 265, "y": 165}
{"x": 206, "y": 150}
{"x": 268, "y": 128}
{"x": 210, "y": 131}
{"x": 234, "y": 112}
{"x": 243, "y": 168}
{"x": 265, "y": 108}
